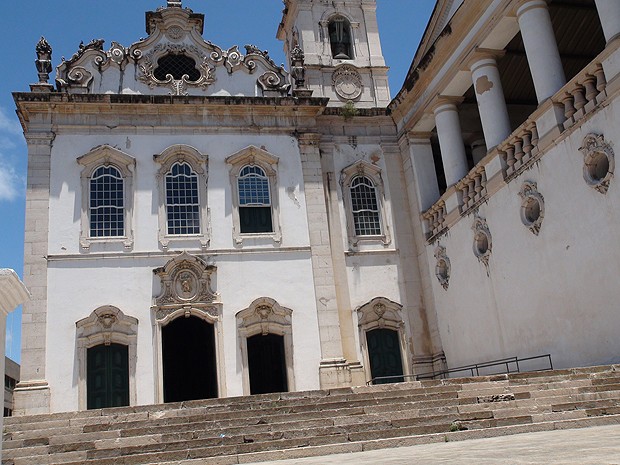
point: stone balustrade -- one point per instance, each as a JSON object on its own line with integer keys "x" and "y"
{"x": 435, "y": 218}
{"x": 583, "y": 93}
{"x": 472, "y": 188}
{"x": 520, "y": 149}
{"x": 578, "y": 98}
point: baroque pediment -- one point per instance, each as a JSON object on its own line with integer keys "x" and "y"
{"x": 173, "y": 60}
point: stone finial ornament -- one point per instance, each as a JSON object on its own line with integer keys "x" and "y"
{"x": 44, "y": 60}
{"x": 175, "y": 4}
{"x": 298, "y": 69}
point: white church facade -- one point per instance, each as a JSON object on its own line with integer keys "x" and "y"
{"x": 204, "y": 223}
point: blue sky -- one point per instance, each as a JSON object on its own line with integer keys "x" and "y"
{"x": 66, "y": 23}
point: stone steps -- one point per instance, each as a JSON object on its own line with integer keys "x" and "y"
{"x": 233, "y": 430}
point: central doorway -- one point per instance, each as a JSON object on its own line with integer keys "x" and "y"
{"x": 267, "y": 364}
{"x": 189, "y": 362}
{"x": 385, "y": 356}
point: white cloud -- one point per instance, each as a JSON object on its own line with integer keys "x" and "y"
{"x": 9, "y": 124}
{"x": 10, "y": 182}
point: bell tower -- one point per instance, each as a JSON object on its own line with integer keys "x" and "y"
{"x": 342, "y": 48}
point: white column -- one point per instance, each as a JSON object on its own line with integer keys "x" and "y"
{"x": 12, "y": 293}
{"x": 451, "y": 140}
{"x": 420, "y": 157}
{"x": 541, "y": 48}
{"x": 491, "y": 101}
{"x": 609, "y": 12}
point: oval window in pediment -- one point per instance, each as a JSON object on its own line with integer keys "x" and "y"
{"x": 177, "y": 66}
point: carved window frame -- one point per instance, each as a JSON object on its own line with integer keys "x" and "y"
{"x": 104, "y": 156}
{"x": 266, "y": 316}
{"x": 373, "y": 173}
{"x": 173, "y": 302}
{"x": 595, "y": 147}
{"x": 253, "y": 156}
{"x": 181, "y": 153}
{"x": 483, "y": 241}
{"x": 382, "y": 313}
{"x": 442, "y": 267}
{"x": 104, "y": 326}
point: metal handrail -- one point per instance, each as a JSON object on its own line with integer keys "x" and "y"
{"x": 473, "y": 369}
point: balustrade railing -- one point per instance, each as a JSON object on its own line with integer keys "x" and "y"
{"x": 582, "y": 93}
{"x": 472, "y": 188}
{"x": 520, "y": 149}
{"x": 435, "y": 218}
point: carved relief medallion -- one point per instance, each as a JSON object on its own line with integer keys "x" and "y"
{"x": 347, "y": 82}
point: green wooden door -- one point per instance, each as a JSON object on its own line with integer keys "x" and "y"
{"x": 107, "y": 380}
{"x": 384, "y": 354}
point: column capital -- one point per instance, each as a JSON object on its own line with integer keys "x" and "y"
{"x": 419, "y": 136}
{"x": 483, "y": 57}
{"x": 309, "y": 138}
{"x": 445, "y": 102}
{"x": 523, "y": 6}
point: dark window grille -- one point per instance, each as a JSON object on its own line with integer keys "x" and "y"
{"x": 182, "y": 201}
{"x": 254, "y": 201}
{"x": 365, "y": 207}
{"x": 177, "y": 66}
{"x": 107, "y": 209}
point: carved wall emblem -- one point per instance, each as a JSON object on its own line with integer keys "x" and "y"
{"x": 532, "y": 207}
{"x": 482, "y": 241}
{"x": 347, "y": 82}
{"x": 186, "y": 286}
{"x": 442, "y": 268}
{"x": 599, "y": 162}
{"x": 264, "y": 316}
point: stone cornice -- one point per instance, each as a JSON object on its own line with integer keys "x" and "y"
{"x": 12, "y": 291}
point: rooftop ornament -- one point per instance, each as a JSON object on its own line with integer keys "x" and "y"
{"x": 173, "y": 4}
{"x": 44, "y": 66}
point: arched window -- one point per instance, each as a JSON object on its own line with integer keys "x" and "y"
{"x": 365, "y": 207}
{"x": 107, "y": 206}
{"x": 182, "y": 200}
{"x": 340, "y": 38}
{"x": 254, "y": 201}
{"x": 254, "y": 186}
{"x": 107, "y": 197}
{"x": 365, "y": 204}
{"x": 183, "y": 213}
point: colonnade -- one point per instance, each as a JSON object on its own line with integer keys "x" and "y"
{"x": 547, "y": 72}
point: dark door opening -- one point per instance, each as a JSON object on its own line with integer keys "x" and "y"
{"x": 385, "y": 356}
{"x": 107, "y": 378}
{"x": 188, "y": 350}
{"x": 267, "y": 364}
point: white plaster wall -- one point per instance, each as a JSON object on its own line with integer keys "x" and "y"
{"x": 553, "y": 293}
{"x": 78, "y": 287}
{"x": 65, "y": 198}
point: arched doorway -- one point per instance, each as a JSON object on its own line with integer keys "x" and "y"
{"x": 267, "y": 364}
{"x": 189, "y": 360}
{"x": 385, "y": 356}
{"x": 107, "y": 379}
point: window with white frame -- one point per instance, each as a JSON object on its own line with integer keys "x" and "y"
{"x": 365, "y": 207}
{"x": 253, "y": 179}
{"x": 363, "y": 195}
{"x": 107, "y": 197}
{"x": 182, "y": 200}
{"x": 254, "y": 201}
{"x": 107, "y": 203}
{"x": 183, "y": 211}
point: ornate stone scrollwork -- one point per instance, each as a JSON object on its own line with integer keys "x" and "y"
{"x": 264, "y": 316}
{"x": 347, "y": 82}
{"x": 532, "y": 206}
{"x": 272, "y": 82}
{"x": 442, "y": 268}
{"x": 599, "y": 163}
{"x": 186, "y": 288}
{"x": 482, "y": 241}
{"x": 149, "y": 65}
{"x": 232, "y": 59}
